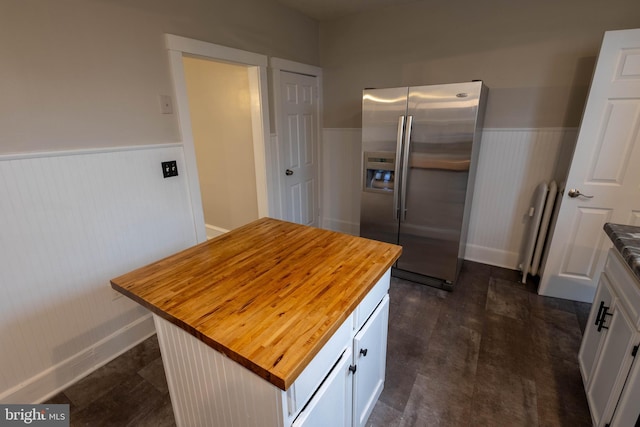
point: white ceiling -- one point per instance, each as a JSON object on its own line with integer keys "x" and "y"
{"x": 329, "y": 9}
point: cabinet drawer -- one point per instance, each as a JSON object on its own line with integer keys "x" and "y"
{"x": 332, "y": 404}
{"x": 626, "y": 285}
{"x": 316, "y": 371}
{"x": 371, "y": 301}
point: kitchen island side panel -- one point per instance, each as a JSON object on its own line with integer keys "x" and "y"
{"x": 209, "y": 389}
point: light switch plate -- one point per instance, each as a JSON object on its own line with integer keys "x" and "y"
{"x": 169, "y": 169}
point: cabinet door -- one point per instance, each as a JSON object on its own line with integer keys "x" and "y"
{"x": 593, "y": 338}
{"x": 612, "y": 365}
{"x": 370, "y": 357}
{"x": 628, "y": 411}
{"x": 332, "y": 404}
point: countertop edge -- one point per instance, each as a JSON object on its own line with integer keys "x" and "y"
{"x": 626, "y": 240}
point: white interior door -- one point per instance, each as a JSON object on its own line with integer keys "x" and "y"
{"x": 605, "y": 169}
{"x": 299, "y": 147}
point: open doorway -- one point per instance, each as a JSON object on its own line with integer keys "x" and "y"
{"x": 254, "y": 66}
{"x": 220, "y": 109}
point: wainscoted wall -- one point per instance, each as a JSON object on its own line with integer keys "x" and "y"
{"x": 341, "y": 181}
{"x": 512, "y": 163}
{"x": 69, "y": 222}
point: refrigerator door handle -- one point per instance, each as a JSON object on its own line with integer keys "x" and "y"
{"x": 397, "y": 166}
{"x": 405, "y": 169}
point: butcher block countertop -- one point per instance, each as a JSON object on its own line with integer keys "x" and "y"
{"x": 268, "y": 295}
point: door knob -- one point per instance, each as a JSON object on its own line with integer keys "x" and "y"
{"x": 573, "y": 193}
{"x": 288, "y": 172}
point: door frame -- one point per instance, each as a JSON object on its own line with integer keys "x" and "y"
{"x": 177, "y": 47}
{"x": 277, "y": 65}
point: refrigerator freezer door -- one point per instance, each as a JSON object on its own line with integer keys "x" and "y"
{"x": 383, "y": 112}
{"x": 444, "y": 122}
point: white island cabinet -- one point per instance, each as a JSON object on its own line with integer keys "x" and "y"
{"x": 608, "y": 361}
{"x": 273, "y": 324}
{"x": 348, "y": 394}
{"x": 338, "y": 388}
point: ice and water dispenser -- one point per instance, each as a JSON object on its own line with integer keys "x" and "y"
{"x": 379, "y": 171}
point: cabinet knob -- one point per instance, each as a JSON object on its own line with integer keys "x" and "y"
{"x": 363, "y": 351}
{"x": 353, "y": 368}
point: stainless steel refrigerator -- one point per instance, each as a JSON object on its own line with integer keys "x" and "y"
{"x": 420, "y": 150}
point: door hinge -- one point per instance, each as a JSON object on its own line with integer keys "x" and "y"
{"x": 634, "y": 351}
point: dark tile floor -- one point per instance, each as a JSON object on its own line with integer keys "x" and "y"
{"x": 490, "y": 353}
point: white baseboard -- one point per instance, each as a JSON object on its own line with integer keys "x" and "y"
{"x": 496, "y": 257}
{"x": 341, "y": 226}
{"x": 566, "y": 288}
{"x": 213, "y": 231}
{"x": 57, "y": 378}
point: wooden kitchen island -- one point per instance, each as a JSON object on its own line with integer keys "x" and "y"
{"x": 271, "y": 324}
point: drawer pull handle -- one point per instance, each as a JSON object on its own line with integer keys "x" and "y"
{"x": 603, "y": 318}
{"x": 599, "y": 312}
{"x": 353, "y": 368}
{"x": 363, "y": 351}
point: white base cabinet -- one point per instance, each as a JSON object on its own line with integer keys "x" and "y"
{"x": 628, "y": 411}
{"x": 339, "y": 387}
{"x": 332, "y": 404}
{"x": 370, "y": 359}
{"x": 352, "y": 389}
{"x": 609, "y": 346}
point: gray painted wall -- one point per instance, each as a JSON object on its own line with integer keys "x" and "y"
{"x": 536, "y": 57}
{"x": 87, "y": 73}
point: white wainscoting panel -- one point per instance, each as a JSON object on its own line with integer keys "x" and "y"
{"x": 512, "y": 163}
{"x": 69, "y": 222}
{"x": 341, "y": 181}
{"x": 209, "y": 389}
